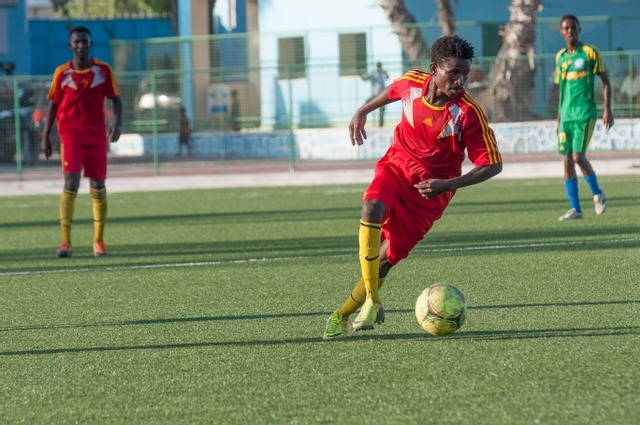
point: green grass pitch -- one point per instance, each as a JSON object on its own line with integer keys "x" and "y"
{"x": 211, "y": 306}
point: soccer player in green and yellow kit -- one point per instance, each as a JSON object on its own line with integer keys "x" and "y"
{"x": 576, "y": 66}
{"x": 419, "y": 174}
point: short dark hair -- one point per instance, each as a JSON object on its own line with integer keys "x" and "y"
{"x": 570, "y": 16}
{"x": 79, "y": 29}
{"x": 451, "y": 46}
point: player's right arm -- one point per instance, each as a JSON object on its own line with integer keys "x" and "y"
{"x": 357, "y": 133}
{"x": 45, "y": 142}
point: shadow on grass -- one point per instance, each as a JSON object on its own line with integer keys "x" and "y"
{"x": 464, "y": 206}
{"x": 213, "y": 218}
{"x": 134, "y": 255}
{"x": 476, "y": 336}
{"x": 171, "y": 320}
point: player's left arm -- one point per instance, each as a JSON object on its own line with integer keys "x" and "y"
{"x": 114, "y": 130}
{"x": 600, "y": 69}
{"x": 607, "y": 116}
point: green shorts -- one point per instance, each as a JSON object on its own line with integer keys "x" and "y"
{"x": 574, "y": 136}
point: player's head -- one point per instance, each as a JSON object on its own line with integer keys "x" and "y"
{"x": 574, "y": 18}
{"x": 451, "y": 46}
{"x": 450, "y": 64}
{"x": 80, "y": 32}
{"x": 569, "y": 29}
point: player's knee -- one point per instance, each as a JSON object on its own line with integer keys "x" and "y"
{"x": 580, "y": 159}
{"x": 373, "y": 211}
{"x": 97, "y": 184}
{"x": 71, "y": 182}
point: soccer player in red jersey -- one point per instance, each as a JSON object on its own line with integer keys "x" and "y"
{"x": 77, "y": 94}
{"x": 419, "y": 174}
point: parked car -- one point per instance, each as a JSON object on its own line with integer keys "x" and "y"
{"x": 32, "y": 111}
{"x": 166, "y": 101}
{"x": 8, "y": 133}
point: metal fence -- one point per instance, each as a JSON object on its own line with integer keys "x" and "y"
{"x": 236, "y": 87}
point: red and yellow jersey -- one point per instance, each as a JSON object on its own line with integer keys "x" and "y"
{"x": 430, "y": 141}
{"x": 80, "y": 96}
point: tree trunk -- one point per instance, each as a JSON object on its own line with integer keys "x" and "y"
{"x": 410, "y": 36}
{"x": 445, "y": 15}
{"x": 514, "y": 68}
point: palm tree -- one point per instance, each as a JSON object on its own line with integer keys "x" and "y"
{"x": 404, "y": 25}
{"x": 445, "y": 15}
{"x": 514, "y": 67}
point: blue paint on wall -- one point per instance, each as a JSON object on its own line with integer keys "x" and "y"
{"x": 13, "y": 29}
{"x": 49, "y": 38}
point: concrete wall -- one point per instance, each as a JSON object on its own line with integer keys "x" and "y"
{"x": 333, "y": 144}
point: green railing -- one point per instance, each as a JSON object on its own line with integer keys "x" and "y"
{"x": 263, "y": 102}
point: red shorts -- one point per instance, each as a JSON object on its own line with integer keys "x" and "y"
{"x": 92, "y": 158}
{"x": 408, "y": 215}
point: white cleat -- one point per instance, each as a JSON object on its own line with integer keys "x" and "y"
{"x": 600, "y": 203}
{"x": 572, "y": 214}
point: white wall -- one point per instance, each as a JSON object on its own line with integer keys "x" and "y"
{"x": 321, "y": 23}
{"x": 296, "y": 15}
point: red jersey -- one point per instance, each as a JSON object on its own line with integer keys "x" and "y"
{"x": 80, "y": 96}
{"x": 430, "y": 141}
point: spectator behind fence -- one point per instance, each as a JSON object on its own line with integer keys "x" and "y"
{"x": 621, "y": 69}
{"x": 576, "y": 68}
{"x": 378, "y": 79}
{"x": 630, "y": 90}
{"x": 184, "y": 134}
{"x": 235, "y": 111}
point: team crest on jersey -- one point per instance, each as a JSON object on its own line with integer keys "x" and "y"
{"x": 578, "y": 63}
{"x": 454, "y": 126}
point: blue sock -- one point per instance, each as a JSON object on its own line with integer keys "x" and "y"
{"x": 572, "y": 193}
{"x": 592, "y": 181}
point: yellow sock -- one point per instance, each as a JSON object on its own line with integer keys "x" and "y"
{"x": 99, "y": 198}
{"x": 369, "y": 240}
{"x": 67, "y": 208}
{"x": 355, "y": 300}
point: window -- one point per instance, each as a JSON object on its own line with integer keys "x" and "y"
{"x": 291, "y": 60}
{"x": 353, "y": 54}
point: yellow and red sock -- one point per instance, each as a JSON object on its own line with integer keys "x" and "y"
{"x": 67, "y": 208}
{"x": 369, "y": 242}
{"x": 99, "y": 199}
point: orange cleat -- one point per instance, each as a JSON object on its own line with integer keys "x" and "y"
{"x": 99, "y": 249}
{"x": 64, "y": 250}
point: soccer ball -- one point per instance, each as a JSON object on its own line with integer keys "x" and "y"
{"x": 441, "y": 309}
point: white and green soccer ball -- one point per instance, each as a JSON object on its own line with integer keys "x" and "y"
{"x": 441, "y": 309}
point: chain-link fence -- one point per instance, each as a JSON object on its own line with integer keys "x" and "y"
{"x": 257, "y": 90}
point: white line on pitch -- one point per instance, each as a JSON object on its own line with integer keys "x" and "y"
{"x": 262, "y": 260}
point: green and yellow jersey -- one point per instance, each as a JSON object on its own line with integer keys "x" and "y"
{"x": 575, "y": 72}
